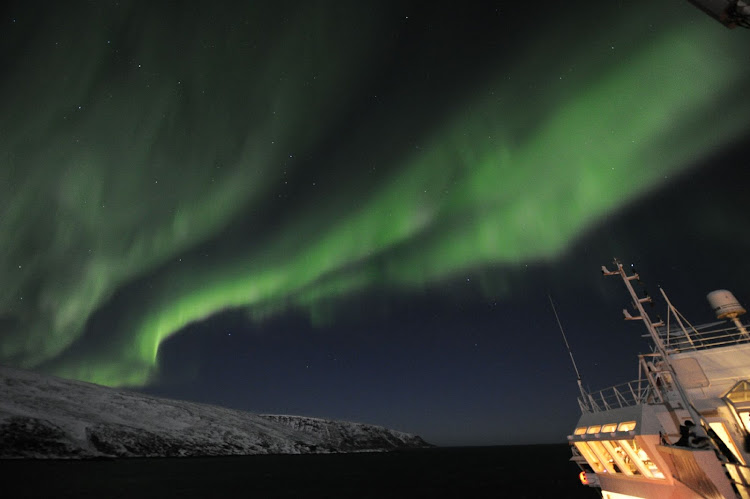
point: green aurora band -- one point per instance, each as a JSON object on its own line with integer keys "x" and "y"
{"x": 99, "y": 197}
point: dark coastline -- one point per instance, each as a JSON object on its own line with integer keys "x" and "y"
{"x": 504, "y": 471}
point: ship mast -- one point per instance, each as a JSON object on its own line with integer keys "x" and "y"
{"x": 658, "y": 342}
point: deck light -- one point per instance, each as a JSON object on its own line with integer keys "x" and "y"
{"x": 584, "y": 479}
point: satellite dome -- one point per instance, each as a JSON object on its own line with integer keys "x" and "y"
{"x": 725, "y": 305}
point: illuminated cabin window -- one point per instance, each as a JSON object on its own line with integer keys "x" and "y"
{"x": 609, "y": 428}
{"x": 618, "y": 456}
{"x": 638, "y": 453}
{"x": 745, "y": 417}
{"x": 626, "y": 426}
{"x": 634, "y": 459}
{"x": 740, "y": 392}
{"x": 604, "y": 457}
{"x": 580, "y": 431}
{"x": 721, "y": 430}
{"x": 590, "y": 457}
{"x": 594, "y": 429}
{"x": 624, "y": 461}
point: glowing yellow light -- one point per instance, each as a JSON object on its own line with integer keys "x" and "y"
{"x": 590, "y": 457}
{"x": 626, "y": 426}
{"x": 584, "y": 479}
{"x": 614, "y": 495}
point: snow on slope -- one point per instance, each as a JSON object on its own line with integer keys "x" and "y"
{"x": 46, "y": 417}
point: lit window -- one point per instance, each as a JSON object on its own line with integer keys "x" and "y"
{"x": 745, "y": 417}
{"x": 640, "y": 455}
{"x": 609, "y": 428}
{"x": 590, "y": 457}
{"x": 626, "y": 426}
{"x": 740, "y": 392}
{"x": 580, "y": 431}
{"x": 622, "y": 458}
{"x": 722, "y": 433}
{"x": 604, "y": 456}
{"x": 594, "y": 429}
{"x": 634, "y": 459}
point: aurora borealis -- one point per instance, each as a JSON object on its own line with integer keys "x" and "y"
{"x": 308, "y": 163}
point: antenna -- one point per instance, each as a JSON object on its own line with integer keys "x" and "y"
{"x": 584, "y": 395}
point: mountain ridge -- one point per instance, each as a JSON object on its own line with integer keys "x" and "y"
{"x": 46, "y": 417}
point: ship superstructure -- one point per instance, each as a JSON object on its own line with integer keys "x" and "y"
{"x": 682, "y": 428}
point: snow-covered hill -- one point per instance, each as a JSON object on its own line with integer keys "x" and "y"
{"x": 47, "y": 417}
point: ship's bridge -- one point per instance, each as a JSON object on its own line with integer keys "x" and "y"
{"x": 711, "y": 361}
{"x": 682, "y": 429}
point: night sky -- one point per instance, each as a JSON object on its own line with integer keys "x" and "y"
{"x": 357, "y": 210}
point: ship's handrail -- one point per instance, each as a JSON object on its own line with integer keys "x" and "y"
{"x": 702, "y": 337}
{"x": 628, "y": 394}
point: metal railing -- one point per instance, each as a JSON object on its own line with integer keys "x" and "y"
{"x": 716, "y": 334}
{"x": 628, "y": 394}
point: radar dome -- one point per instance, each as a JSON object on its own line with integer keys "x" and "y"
{"x": 725, "y": 305}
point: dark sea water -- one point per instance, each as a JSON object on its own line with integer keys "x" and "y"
{"x": 507, "y": 471}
